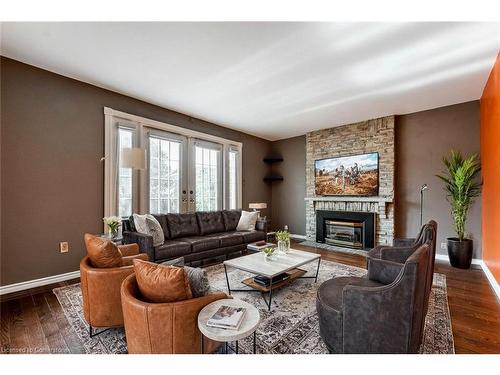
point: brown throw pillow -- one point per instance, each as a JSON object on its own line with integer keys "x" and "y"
{"x": 161, "y": 284}
{"x": 102, "y": 253}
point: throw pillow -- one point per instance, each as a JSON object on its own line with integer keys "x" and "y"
{"x": 161, "y": 284}
{"x": 198, "y": 281}
{"x": 140, "y": 223}
{"x": 178, "y": 262}
{"x": 102, "y": 253}
{"x": 155, "y": 230}
{"x": 147, "y": 224}
{"x": 247, "y": 220}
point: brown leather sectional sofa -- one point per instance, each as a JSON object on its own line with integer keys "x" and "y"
{"x": 195, "y": 236}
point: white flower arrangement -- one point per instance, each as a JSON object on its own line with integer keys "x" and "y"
{"x": 112, "y": 222}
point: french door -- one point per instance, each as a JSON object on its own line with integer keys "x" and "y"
{"x": 183, "y": 175}
{"x": 167, "y": 172}
{"x": 206, "y": 176}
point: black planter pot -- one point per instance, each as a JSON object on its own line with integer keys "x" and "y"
{"x": 460, "y": 252}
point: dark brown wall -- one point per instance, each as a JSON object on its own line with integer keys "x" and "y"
{"x": 422, "y": 139}
{"x": 52, "y": 179}
{"x": 288, "y": 205}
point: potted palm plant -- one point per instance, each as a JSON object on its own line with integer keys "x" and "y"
{"x": 462, "y": 186}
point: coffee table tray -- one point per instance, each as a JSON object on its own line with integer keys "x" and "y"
{"x": 294, "y": 274}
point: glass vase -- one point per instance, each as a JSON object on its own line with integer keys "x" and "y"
{"x": 283, "y": 246}
{"x": 113, "y": 232}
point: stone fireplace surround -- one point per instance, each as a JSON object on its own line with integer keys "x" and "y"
{"x": 375, "y": 135}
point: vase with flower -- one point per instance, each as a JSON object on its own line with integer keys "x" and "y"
{"x": 113, "y": 223}
{"x": 283, "y": 238}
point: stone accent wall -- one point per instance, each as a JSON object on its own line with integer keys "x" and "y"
{"x": 375, "y": 135}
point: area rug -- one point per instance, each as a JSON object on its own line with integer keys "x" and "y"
{"x": 292, "y": 325}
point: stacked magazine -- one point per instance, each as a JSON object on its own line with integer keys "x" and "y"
{"x": 258, "y": 246}
{"x": 227, "y": 317}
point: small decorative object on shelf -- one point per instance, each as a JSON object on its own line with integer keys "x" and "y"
{"x": 283, "y": 238}
{"x": 269, "y": 252}
{"x": 113, "y": 223}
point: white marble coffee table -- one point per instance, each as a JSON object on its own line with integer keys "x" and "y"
{"x": 257, "y": 264}
{"x": 248, "y": 326}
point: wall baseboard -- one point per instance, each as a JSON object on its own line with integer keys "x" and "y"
{"x": 11, "y": 288}
{"x": 491, "y": 279}
{"x": 298, "y": 236}
{"x": 445, "y": 257}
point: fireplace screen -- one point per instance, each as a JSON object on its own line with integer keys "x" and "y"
{"x": 344, "y": 233}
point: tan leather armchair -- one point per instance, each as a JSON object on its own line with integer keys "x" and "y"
{"x": 164, "y": 328}
{"x": 101, "y": 289}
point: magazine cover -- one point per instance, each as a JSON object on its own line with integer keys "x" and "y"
{"x": 227, "y": 317}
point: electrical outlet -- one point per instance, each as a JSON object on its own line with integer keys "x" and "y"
{"x": 443, "y": 246}
{"x": 63, "y": 247}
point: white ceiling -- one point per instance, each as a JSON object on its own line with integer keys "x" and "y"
{"x": 273, "y": 80}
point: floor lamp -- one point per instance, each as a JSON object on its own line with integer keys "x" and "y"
{"x": 422, "y": 189}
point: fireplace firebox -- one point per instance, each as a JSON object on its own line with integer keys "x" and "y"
{"x": 355, "y": 230}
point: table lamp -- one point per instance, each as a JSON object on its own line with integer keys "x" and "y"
{"x": 257, "y": 206}
{"x": 134, "y": 158}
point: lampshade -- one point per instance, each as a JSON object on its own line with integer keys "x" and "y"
{"x": 134, "y": 158}
{"x": 257, "y": 206}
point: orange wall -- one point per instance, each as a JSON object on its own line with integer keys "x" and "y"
{"x": 490, "y": 160}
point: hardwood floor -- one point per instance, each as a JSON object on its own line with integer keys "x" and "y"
{"x": 33, "y": 321}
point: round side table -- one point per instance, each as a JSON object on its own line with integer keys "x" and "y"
{"x": 248, "y": 326}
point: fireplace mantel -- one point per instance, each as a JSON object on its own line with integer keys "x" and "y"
{"x": 379, "y": 200}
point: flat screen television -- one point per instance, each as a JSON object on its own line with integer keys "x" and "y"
{"x": 352, "y": 175}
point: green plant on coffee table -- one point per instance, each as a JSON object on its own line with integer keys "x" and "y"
{"x": 283, "y": 235}
{"x": 268, "y": 251}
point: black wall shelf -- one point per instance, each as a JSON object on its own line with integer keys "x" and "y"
{"x": 273, "y": 159}
{"x": 270, "y": 160}
{"x": 273, "y": 178}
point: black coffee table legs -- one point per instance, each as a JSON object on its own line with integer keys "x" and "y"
{"x": 317, "y": 273}
{"x": 228, "y": 348}
{"x": 267, "y": 302}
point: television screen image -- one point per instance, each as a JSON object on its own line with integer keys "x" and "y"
{"x": 355, "y": 175}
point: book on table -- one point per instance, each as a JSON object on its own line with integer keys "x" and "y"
{"x": 227, "y": 317}
{"x": 260, "y": 245}
{"x": 266, "y": 281}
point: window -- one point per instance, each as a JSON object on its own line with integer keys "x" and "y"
{"x": 207, "y": 184}
{"x": 164, "y": 175}
{"x": 232, "y": 189}
{"x": 125, "y": 176}
{"x": 186, "y": 170}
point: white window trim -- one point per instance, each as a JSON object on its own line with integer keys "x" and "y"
{"x": 112, "y": 116}
{"x": 227, "y": 150}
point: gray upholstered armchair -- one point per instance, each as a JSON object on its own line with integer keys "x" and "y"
{"x": 403, "y": 248}
{"x": 380, "y": 313}
{"x": 399, "y": 253}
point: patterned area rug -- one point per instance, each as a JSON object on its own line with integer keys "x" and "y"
{"x": 292, "y": 325}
